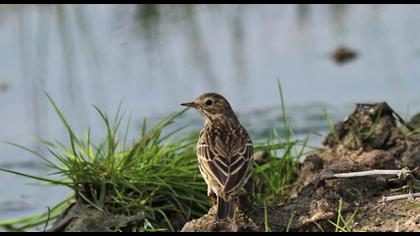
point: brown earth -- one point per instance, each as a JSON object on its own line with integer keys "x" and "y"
{"x": 368, "y": 139}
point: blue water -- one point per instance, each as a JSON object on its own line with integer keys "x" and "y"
{"x": 152, "y": 58}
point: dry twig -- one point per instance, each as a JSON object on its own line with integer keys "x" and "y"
{"x": 405, "y": 173}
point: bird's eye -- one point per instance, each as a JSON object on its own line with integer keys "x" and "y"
{"x": 208, "y": 102}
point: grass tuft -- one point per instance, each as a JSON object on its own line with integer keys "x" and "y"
{"x": 156, "y": 175}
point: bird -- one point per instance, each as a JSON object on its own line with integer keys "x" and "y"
{"x": 224, "y": 152}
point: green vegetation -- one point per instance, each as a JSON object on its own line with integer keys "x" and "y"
{"x": 156, "y": 175}
{"x": 342, "y": 224}
{"x": 272, "y": 178}
{"x": 266, "y": 227}
{"x": 331, "y": 127}
{"x": 289, "y": 223}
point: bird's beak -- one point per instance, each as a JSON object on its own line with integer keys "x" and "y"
{"x": 189, "y": 104}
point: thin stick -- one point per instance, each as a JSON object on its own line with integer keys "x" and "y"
{"x": 403, "y": 173}
{"x": 399, "y": 197}
{"x": 363, "y": 173}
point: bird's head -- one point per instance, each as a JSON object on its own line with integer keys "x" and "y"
{"x": 212, "y": 106}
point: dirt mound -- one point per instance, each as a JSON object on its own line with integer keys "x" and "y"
{"x": 368, "y": 139}
{"x": 80, "y": 217}
{"x": 208, "y": 223}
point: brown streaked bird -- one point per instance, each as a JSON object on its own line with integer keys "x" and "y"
{"x": 224, "y": 152}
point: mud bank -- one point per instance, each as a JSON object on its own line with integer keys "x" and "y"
{"x": 370, "y": 138}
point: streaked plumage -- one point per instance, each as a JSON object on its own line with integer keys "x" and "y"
{"x": 224, "y": 152}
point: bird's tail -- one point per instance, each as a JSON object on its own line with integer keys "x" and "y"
{"x": 225, "y": 209}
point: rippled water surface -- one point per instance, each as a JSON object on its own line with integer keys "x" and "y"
{"x": 151, "y": 58}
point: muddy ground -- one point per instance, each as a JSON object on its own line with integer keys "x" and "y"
{"x": 372, "y": 137}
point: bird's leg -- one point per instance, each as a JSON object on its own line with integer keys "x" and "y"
{"x": 212, "y": 196}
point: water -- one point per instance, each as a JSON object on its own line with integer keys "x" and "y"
{"x": 152, "y": 58}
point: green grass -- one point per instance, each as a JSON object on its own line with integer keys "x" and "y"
{"x": 289, "y": 223}
{"x": 342, "y": 224}
{"x": 266, "y": 226}
{"x": 155, "y": 175}
{"x": 272, "y": 178}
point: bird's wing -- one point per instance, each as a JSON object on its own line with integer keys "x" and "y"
{"x": 230, "y": 165}
{"x": 240, "y": 169}
{"x": 211, "y": 158}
